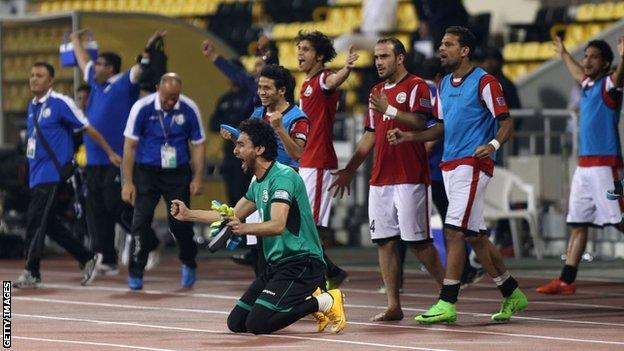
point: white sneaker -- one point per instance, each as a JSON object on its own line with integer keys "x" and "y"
{"x": 90, "y": 272}
{"x": 153, "y": 259}
{"x": 27, "y": 281}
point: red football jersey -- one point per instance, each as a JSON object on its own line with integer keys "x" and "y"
{"x": 319, "y": 104}
{"x": 405, "y": 163}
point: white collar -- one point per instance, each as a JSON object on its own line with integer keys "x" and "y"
{"x": 157, "y": 103}
{"x": 43, "y": 98}
{"x": 114, "y": 78}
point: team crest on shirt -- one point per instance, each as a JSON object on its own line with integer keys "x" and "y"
{"x": 500, "y": 101}
{"x": 179, "y": 119}
{"x": 265, "y": 195}
{"x": 308, "y": 91}
{"x": 46, "y": 113}
{"x": 401, "y": 97}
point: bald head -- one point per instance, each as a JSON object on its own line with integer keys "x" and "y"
{"x": 169, "y": 90}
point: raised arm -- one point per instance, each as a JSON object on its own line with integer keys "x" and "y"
{"x": 416, "y": 120}
{"x": 333, "y": 81}
{"x": 180, "y": 212}
{"x": 274, "y": 226}
{"x": 575, "y": 68}
{"x": 236, "y": 75}
{"x": 81, "y": 54}
{"x": 618, "y": 76}
{"x": 294, "y": 147}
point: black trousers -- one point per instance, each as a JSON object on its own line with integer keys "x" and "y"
{"x": 151, "y": 183}
{"x": 278, "y": 297}
{"x": 104, "y": 208}
{"x": 39, "y": 196}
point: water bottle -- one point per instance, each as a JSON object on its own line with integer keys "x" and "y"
{"x": 233, "y": 242}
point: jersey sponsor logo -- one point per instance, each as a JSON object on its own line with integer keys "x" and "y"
{"x": 46, "y": 113}
{"x": 424, "y": 102}
{"x": 401, "y": 97}
{"x": 372, "y": 226}
{"x": 281, "y": 194}
{"x": 269, "y": 292}
{"x": 265, "y": 195}
{"x": 179, "y": 119}
{"x": 500, "y": 101}
{"x": 308, "y": 91}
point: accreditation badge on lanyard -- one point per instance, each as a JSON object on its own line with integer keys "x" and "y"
{"x": 168, "y": 157}
{"x": 31, "y": 145}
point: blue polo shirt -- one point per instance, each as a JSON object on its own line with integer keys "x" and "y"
{"x": 181, "y": 124}
{"x": 108, "y": 108}
{"x": 60, "y": 117}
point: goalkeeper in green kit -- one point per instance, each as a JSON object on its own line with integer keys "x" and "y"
{"x": 288, "y": 289}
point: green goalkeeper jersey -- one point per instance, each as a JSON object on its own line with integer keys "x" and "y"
{"x": 300, "y": 238}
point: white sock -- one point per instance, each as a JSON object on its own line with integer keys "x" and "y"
{"x": 450, "y": 282}
{"x": 325, "y": 301}
{"x": 501, "y": 279}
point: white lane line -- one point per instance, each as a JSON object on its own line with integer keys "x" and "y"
{"x": 278, "y": 336}
{"x": 462, "y": 298}
{"x": 235, "y": 298}
{"x": 62, "y": 341}
{"x": 351, "y": 322}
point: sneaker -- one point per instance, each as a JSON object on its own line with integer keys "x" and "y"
{"x": 90, "y": 272}
{"x": 515, "y": 302}
{"x": 382, "y": 290}
{"x": 441, "y": 312}
{"x": 321, "y": 319}
{"x": 153, "y": 259}
{"x": 188, "y": 276}
{"x": 336, "y": 313}
{"x": 336, "y": 280}
{"x": 27, "y": 281}
{"x": 135, "y": 283}
{"x": 556, "y": 287}
{"x": 107, "y": 269}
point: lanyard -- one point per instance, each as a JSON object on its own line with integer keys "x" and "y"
{"x": 166, "y": 131}
{"x": 39, "y": 115}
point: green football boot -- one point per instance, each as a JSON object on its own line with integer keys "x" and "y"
{"x": 515, "y": 302}
{"x": 441, "y": 312}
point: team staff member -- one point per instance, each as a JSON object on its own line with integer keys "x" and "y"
{"x": 475, "y": 122}
{"x": 57, "y": 116}
{"x": 159, "y": 129}
{"x": 319, "y": 99}
{"x": 398, "y": 200}
{"x": 112, "y": 95}
{"x": 600, "y": 158}
{"x": 283, "y": 293}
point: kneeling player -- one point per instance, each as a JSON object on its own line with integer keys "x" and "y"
{"x": 288, "y": 289}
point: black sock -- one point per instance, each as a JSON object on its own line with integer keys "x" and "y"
{"x": 508, "y": 286}
{"x": 568, "y": 274}
{"x": 449, "y": 293}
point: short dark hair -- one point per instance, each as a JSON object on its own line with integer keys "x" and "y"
{"x": 112, "y": 59}
{"x": 605, "y": 49}
{"x": 320, "y": 42}
{"x": 397, "y": 46}
{"x": 84, "y": 87}
{"x": 45, "y": 65}
{"x": 282, "y": 78}
{"x": 466, "y": 37}
{"x": 261, "y": 134}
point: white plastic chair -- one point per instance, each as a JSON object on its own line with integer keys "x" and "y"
{"x": 497, "y": 206}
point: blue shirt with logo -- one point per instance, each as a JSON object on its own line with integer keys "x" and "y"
{"x": 59, "y": 118}
{"x": 107, "y": 109}
{"x": 181, "y": 124}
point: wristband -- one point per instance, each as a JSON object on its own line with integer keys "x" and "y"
{"x": 391, "y": 111}
{"x": 495, "y": 143}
